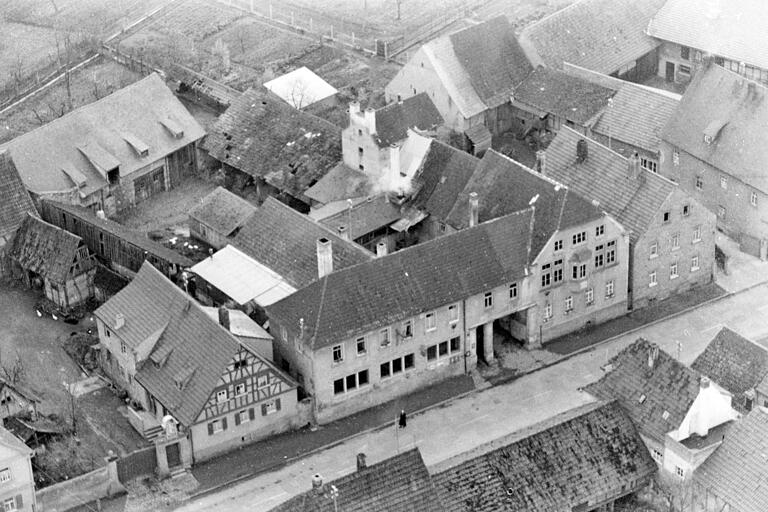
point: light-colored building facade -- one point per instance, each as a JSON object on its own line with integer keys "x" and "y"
{"x": 17, "y": 483}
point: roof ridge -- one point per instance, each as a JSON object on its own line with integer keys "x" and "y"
{"x": 530, "y": 27}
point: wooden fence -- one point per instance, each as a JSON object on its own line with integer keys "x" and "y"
{"x": 139, "y": 463}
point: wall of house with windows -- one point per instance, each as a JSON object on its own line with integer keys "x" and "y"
{"x": 741, "y": 209}
{"x": 359, "y": 149}
{"x": 581, "y": 277}
{"x": 682, "y": 62}
{"x": 675, "y": 253}
{"x": 17, "y": 486}
{"x": 118, "y": 360}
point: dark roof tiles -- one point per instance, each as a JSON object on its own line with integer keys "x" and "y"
{"x": 15, "y": 202}
{"x": 44, "y": 249}
{"x": 223, "y": 211}
{"x": 394, "y": 120}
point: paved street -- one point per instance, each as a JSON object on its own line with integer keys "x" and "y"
{"x": 473, "y": 420}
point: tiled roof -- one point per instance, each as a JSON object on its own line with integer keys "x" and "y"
{"x": 13, "y": 443}
{"x": 394, "y": 120}
{"x": 340, "y": 183}
{"x": 586, "y": 459}
{"x": 106, "y": 129}
{"x": 223, "y": 211}
{"x": 267, "y": 138}
{"x": 603, "y": 177}
{"x": 735, "y": 363}
{"x": 718, "y": 96}
{"x": 137, "y": 238}
{"x": 108, "y": 281}
{"x": 601, "y": 35}
{"x": 286, "y": 241}
{"x": 189, "y": 342}
{"x": 364, "y": 217}
{"x": 504, "y": 186}
{"x": 566, "y": 96}
{"x": 444, "y": 173}
{"x": 734, "y": 29}
{"x": 398, "y": 484}
{"x": 667, "y": 387}
{"x": 44, "y": 249}
{"x": 736, "y": 471}
{"x": 637, "y": 116}
{"x": 409, "y": 282}
{"x": 15, "y": 202}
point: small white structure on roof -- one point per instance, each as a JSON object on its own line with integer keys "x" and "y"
{"x": 249, "y": 333}
{"x": 301, "y": 88}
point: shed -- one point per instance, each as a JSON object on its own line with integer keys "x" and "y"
{"x": 219, "y": 216}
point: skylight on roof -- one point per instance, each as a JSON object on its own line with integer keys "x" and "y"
{"x": 665, "y": 415}
{"x": 641, "y": 399}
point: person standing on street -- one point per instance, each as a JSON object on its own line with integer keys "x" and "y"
{"x": 402, "y": 419}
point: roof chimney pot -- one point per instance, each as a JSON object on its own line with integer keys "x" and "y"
{"x": 381, "y": 249}
{"x": 361, "y": 465}
{"x": 704, "y": 383}
{"x": 343, "y": 232}
{"x": 474, "y": 208}
{"x": 370, "y": 119}
{"x": 119, "y": 321}
{"x": 317, "y": 483}
{"x": 541, "y": 161}
{"x": 582, "y": 151}
{"x": 224, "y": 317}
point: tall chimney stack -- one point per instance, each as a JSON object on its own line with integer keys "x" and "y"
{"x": 541, "y": 161}
{"x": 361, "y": 465}
{"x": 317, "y": 483}
{"x": 343, "y": 232}
{"x": 324, "y": 257}
{"x": 474, "y": 207}
{"x": 224, "y": 317}
{"x": 381, "y": 249}
{"x": 119, "y": 321}
{"x": 394, "y": 162}
{"x": 370, "y": 119}
{"x": 633, "y": 166}
{"x": 582, "y": 151}
{"x": 354, "y": 111}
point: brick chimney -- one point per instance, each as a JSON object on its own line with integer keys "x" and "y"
{"x": 582, "y": 151}
{"x": 370, "y": 119}
{"x": 633, "y": 166}
{"x": 317, "y": 483}
{"x": 343, "y": 232}
{"x": 324, "y": 257}
{"x": 381, "y": 249}
{"x": 653, "y": 355}
{"x": 541, "y": 161}
{"x": 474, "y": 208}
{"x": 224, "y": 317}
{"x": 119, "y": 321}
{"x": 361, "y": 464}
{"x": 354, "y": 112}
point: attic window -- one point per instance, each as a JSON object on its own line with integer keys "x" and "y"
{"x": 641, "y": 399}
{"x": 173, "y": 127}
{"x": 141, "y": 148}
{"x": 182, "y": 378}
{"x": 665, "y": 415}
{"x": 712, "y": 130}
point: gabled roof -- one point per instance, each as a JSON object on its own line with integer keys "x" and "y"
{"x": 735, "y": 363}
{"x": 734, "y": 29}
{"x": 190, "y": 346}
{"x": 90, "y": 140}
{"x": 408, "y": 282}
{"x": 394, "y": 120}
{"x": 479, "y": 66}
{"x": 504, "y": 186}
{"x": 300, "y": 88}
{"x": 13, "y": 443}
{"x": 341, "y": 182}
{"x": 735, "y": 473}
{"x": 45, "y": 249}
{"x": 398, "y": 484}
{"x": 15, "y": 202}
{"x": 637, "y": 116}
{"x": 564, "y": 95}
{"x": 601, "y": 35}
{"x": 364, "y": 217}
{"x": 267, "y": 138}
{"x": 603, "y": 177}
{"x": 718, "y": 97}
{"x": 657, "y": 398}
{"x": 286, "y": 241}
{"x": 223, "y": 211}
{"x": 592, "y": 455}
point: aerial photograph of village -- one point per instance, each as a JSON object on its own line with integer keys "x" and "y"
{"x": 384, "y": 255}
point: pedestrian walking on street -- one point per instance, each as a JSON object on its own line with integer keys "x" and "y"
{"x": 402, "y": 419}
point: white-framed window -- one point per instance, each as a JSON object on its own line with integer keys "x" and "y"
{"x": 600, "y": 230}
{"x": 546, "y": 275}
{"x": 579, "y": 238}
{"x": 579, "y": 271}
{"x": 407, "y": 329}
{"x": 488, "y": 300}
{"x": 548, "y": 311}
{"x": 610, "y": 252}
{"x": 652, "y": 279}
{"x": 270, "y": 407}
{"x": 679, "y": 472}
{"x": 243, "y": 416}
{"x": 360, "y": 345}
{"x": 5, "y": 475}
{"x": 657, "y": 455}
{"x": 724, "y": 181}
{"x": 240, "y": 389}
{"x": 673, "y": 271}
{"x": 262, "y": 381}
{"x": 453, "y": 313}
{"x": 694, "y": 263}
{"x": 753, "y": 198}
{"x": 348, "y": 383}
{"x": 651, "y": 165}
{"x": 430, "y": 322}
{"x": 653, "y": 250}
{"x": 609, "y": 289}
{"x": 384, "y": 337}
{"x": 697, "y": 234}
{"x": 589, "y": 296}
{"x": 123, "y": 348}
{"x": 9, "y": 505}
{"x": 569, "y": 303}
{"x": 338, "y": 353}
{"x": 513, "y": 290}
{"x": 217, "y": 426}
{"x": 599, "y": 255}
{"x": 699, "y": 183}
{"x": 558, "y": 245}
{"x": 221, "y": 396}
{"x": 675, "y": 241}
{"x": 557, "y": 273}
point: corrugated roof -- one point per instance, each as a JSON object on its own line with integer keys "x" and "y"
{"x": 95, "y": 130}
{"x": 15, "y": 202}
{"x": 301, "y": 88}
{"x": 286, "y": 241}
{"x": 734, "y": 29}
{"x": 587, "y": 459}
{"x": 736, "y": 472}
{"x": 603, "y": 177}
{"x": 267, "y": 138}
{"x": 601, "y": 35}
{"x": 45, "y": 249}
{"x": 223, "y": 211}
{"x": 398, "y": 484}
{"x": 719, "y": 95}
{"x": 735, "y": 363}
{"x": 394, "y": 120}
{"x": 408, "y": 282}
{"x": 667, "y": 387}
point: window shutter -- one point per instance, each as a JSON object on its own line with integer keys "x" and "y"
{"x": 263, "y": 409}
{"x": 277, "y": 403}
{"x": 251, "y": 413}
{"x": 224, "y": 423}
{"x": 210, "y": 429}
{"x": 19, "y": 502}
{"x": 237, "y": 418}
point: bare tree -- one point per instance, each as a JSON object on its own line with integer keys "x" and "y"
{"x": 14, "y": 372}
{"x": 241, "y": 35}
{"x": 299, "y": 94}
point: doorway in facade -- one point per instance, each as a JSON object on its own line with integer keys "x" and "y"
{"x": 173, "y": 455}
{"x": 479, "y": 338}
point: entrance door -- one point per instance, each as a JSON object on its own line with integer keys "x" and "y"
{"x": 479, "y": 343}
{"x": 173, "y": 455}
{"x": 670, "y": 71}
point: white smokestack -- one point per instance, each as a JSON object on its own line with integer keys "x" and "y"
{"x": 474, "y": 208}
{"x": 343, "y": 232}
{"x": 394, "y": 162}
{"x": 370, "y": 120}
{"x": 324, "y": 257}
{"x": 381, "y": 249}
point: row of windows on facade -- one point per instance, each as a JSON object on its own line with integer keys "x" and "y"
{"x": 659, "y": 458}
{"x": 222, "y": 395}
{"x": 243, "y": 416}
{"x": 673, "y": 271}
{"x": 699, "y": 183}
{"x": 589, "y": 300}
{"x": 396, "y": 366}
{"x": 751, "y": 72}
{"x": 674, "y": 242}
{"x": 552, "y": 273}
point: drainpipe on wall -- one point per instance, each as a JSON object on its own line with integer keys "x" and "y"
{"x": 466, "y": 334}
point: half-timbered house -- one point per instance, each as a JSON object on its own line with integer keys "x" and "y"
{"x": 209, "y": 391}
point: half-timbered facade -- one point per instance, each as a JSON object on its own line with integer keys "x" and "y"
{"x": 190, "y": 374}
